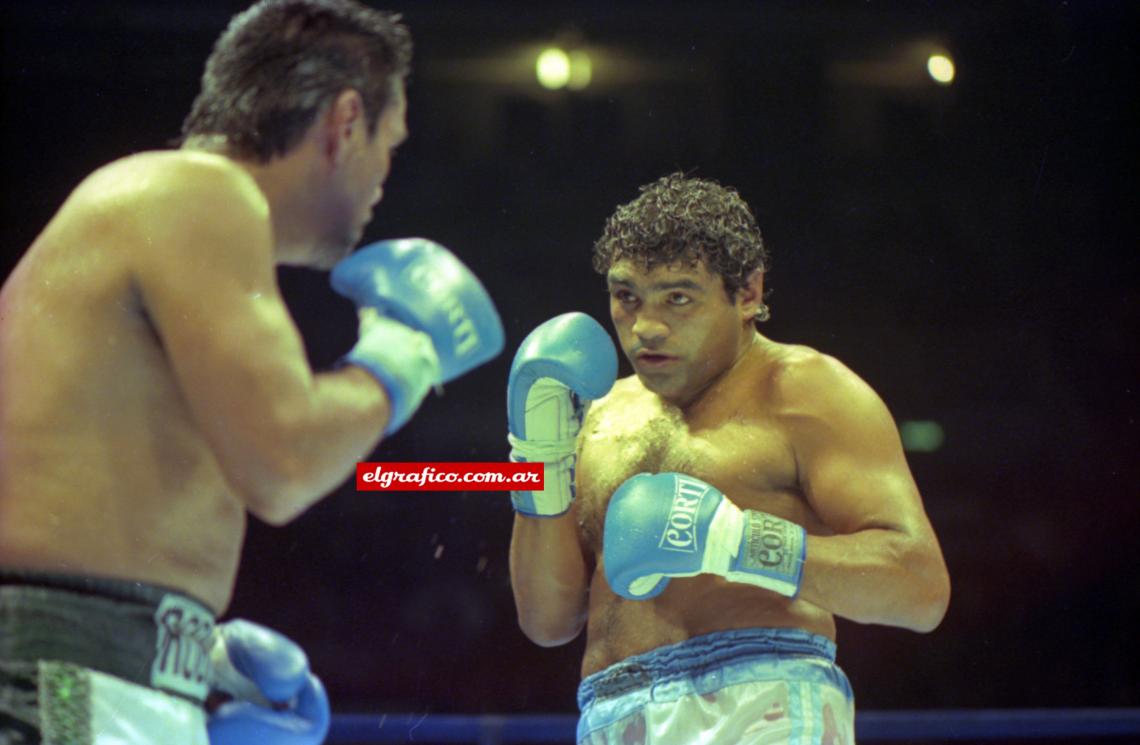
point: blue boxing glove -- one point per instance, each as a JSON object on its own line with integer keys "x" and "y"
{"x": 563, "y": 363}
{"x": 276, "y": 700}
{"x": 669, "y": 525}
{"x": 425, "y": 318}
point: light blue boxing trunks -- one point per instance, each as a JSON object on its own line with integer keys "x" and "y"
{"x": 87, "y": 661}
{"x": 741, "y": 687}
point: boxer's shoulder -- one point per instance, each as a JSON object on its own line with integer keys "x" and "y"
{"x": 803, "y": 381}
{"x": 169, "y": 185}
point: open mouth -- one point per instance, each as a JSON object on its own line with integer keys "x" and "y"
{"x": 654, "y": 359}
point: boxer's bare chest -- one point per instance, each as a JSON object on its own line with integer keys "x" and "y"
{"x": 732, "y": 444}
{"x": 734, "y": 439}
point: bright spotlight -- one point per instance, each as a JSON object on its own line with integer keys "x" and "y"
{"x": 553, "y": 68}
{"x": 941, "y": 68}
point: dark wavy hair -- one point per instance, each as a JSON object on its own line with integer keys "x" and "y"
{"x": 281, "y": 61}
{"x": 684, "y": 220}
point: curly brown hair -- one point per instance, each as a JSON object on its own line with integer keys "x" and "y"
{"x": 281, "y": 61}
{"x": 677, "y": 219}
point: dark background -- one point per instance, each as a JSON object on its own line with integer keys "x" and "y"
{"x": 969, "y": 250}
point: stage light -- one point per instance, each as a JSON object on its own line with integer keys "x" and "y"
{"x": 941, "y": 69}
{"x": 553, "y": 68}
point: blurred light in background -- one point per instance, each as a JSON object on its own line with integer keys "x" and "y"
{"x": 921, "y": 436}
{"x": 903, "y": 68}
{"x": 556, "y": 69}
{"x": 941, "y": 68}
{"x": 581, "y": 70}
{"x": 552, "y": 68}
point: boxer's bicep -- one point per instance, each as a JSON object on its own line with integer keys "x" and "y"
{"x": 883, "y": 564}
{"x": 206, "y": 277}
{"x": 851, "y": 465}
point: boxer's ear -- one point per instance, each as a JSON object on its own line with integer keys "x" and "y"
{"x": 750, "y": 298}
{"x": 340, "y": 126}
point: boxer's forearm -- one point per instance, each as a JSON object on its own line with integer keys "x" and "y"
{"x": 878, "y": 576}
{"x": 549, "y": 578}
{"x": 317, "y": 443}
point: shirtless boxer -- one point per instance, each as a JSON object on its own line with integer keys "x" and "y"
{"x": 732, "y": 497}
{"x": 153, "y": 387}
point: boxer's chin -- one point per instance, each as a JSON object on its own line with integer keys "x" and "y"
{"x": 328, "y": 252}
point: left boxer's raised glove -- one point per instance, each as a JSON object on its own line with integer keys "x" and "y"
{"x": 669, "y": 525}
{"x": 416, "y": 284}
{"x": 276, "y": 699}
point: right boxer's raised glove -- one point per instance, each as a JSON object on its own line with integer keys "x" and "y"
{"x": 562, "y": 364}
{"x": 425, "y": 319}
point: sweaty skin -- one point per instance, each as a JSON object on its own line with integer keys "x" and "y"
{"x": 778, "y": 428}
{"x": 103, "y": 469}
{"x": 153, "y": 387}
{"x": 733, "y": 440}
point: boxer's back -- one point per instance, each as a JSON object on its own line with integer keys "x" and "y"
{"x": 100, "y": 462}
